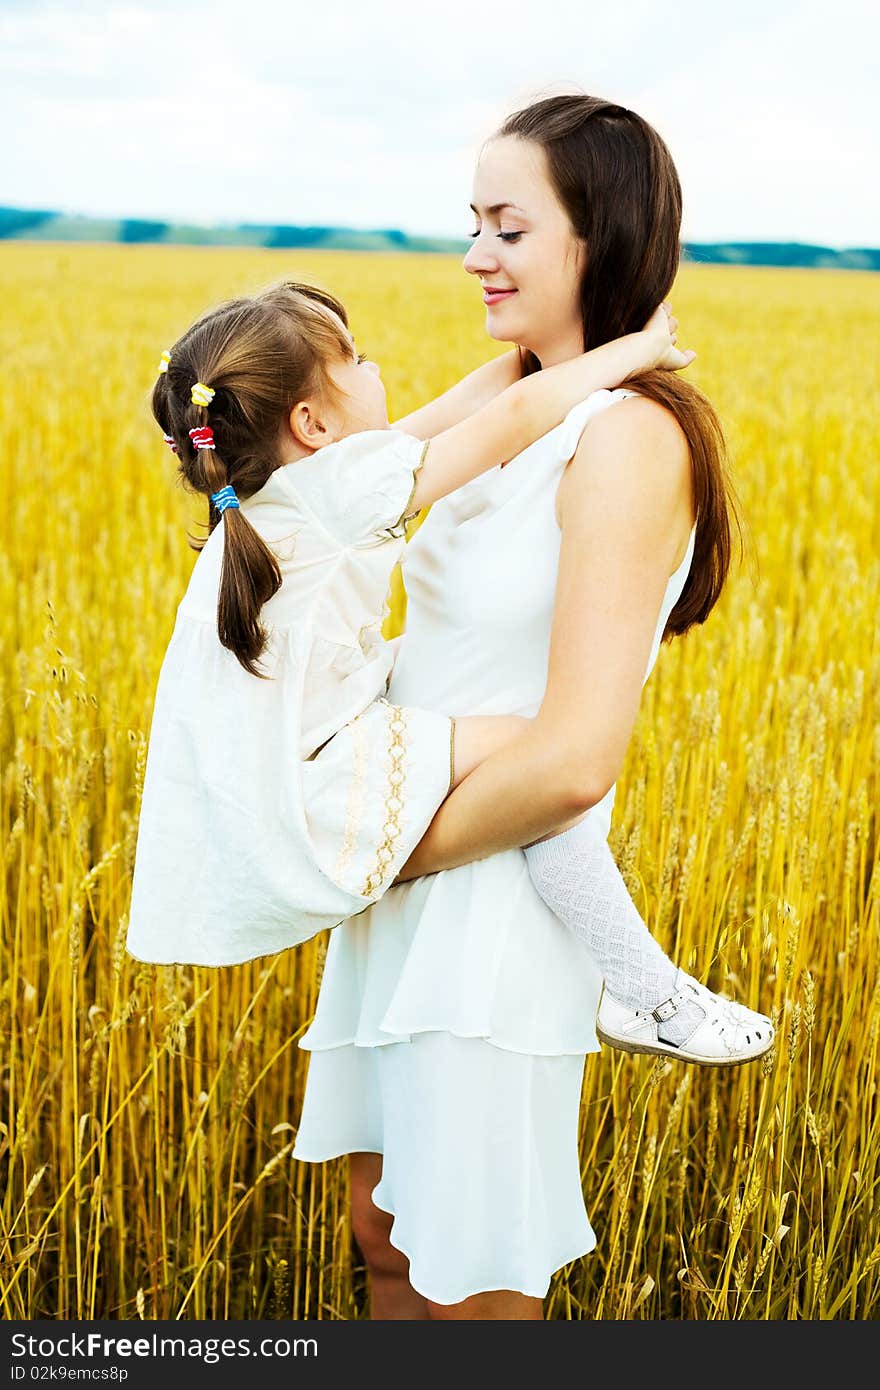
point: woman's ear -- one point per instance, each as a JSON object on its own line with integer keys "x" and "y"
{"x": 307, "y": 427}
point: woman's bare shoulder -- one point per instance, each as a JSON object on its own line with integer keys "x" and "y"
{"x": 634, "y": 448}
{"x": 639, "y": 425}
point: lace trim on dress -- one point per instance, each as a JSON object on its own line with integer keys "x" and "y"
{"x": 393, "y": 799}
{"x": 355, "y": 809}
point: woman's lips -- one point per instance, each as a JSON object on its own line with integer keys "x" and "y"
{"x": 495, "y": 296}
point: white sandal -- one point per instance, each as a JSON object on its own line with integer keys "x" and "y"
{"x": 727, "y": 1036}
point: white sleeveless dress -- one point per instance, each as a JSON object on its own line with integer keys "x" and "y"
{"x": 455, "y": 1014}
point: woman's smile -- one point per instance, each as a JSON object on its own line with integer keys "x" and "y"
{"x": 493, "y": 294}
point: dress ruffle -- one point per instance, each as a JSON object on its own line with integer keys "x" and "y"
{"x": 480, "y": 1169}
{"x": 432, "y": 955}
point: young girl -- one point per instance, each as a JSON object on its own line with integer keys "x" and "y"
{"x": 282, "y": 793}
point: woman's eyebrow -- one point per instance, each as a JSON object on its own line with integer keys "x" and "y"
{"x": 499, "y": 207}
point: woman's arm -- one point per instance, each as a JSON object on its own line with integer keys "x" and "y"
{"x": 626, "y": 508}
{"x": 464, "y": 398}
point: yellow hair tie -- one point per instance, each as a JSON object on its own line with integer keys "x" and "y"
{"x": 164, "y": 359}
{"x": 202, "y": 394}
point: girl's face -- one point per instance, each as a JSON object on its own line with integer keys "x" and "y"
{"x": 525, "y": 252}
{"x": 363, "y": 398}
{"x": 357, "y": 404}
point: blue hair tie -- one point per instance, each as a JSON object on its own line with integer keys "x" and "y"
{"x": 225, "y": 498}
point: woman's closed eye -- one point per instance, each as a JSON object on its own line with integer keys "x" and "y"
{"x": 361, "y": 357}
{"x": 502, "y": 236}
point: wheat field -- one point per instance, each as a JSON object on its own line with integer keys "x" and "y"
{"x": 147, "y": 1114}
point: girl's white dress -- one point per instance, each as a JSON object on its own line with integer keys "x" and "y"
{"x": 255, "y": 831}
{"x": 455, "y": 1014}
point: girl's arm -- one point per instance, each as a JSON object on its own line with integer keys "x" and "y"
{"x": 530, "y": 407}
{"x": 463, "y": 399}
{"x": 626, "y": 506}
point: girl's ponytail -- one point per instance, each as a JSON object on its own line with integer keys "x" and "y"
{"x": 249, "y": 573}
{"x": 259, "y": 357}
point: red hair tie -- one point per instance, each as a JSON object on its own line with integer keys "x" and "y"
{"x": 203, "y": 437}
{"x": 169, "y": 440}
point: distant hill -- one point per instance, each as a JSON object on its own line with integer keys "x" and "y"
{"x": 20, "y": 224}
{"x": 783, "y": 253}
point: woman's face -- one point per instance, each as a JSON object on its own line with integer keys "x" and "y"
{"x": 525, "y": 252}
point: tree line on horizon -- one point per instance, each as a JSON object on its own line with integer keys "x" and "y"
{"x": 22, "y": 224}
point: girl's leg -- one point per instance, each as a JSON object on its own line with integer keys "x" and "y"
{"x": 498, "y": 1305}
{"x": 392, "y": 1296}
{"x": 576, "y": 875}
{"x": 648, "y": 994}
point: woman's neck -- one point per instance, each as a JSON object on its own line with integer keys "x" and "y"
{"x": 560, "y": 349}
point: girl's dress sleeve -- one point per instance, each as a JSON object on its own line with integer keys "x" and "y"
{"x": 361, "y": 488}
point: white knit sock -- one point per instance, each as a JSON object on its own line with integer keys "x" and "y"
{"x": 576, "y": 875}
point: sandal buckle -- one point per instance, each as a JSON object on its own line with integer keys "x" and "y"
{"x": 663, "y": 1012}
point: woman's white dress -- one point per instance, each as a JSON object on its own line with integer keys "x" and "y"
{"x": 455, "y": 1014}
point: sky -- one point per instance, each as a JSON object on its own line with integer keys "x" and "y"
{"x": 371, "y": 113}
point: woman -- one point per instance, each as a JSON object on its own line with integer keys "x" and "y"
{"x": 454, "y": 1018}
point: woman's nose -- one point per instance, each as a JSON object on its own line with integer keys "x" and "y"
{"x": 480, "y": 260}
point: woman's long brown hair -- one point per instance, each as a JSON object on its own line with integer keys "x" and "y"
{"x": 259, "y": 356}
{"x": 615, "y": 178}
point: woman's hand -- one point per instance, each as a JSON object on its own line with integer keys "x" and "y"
{"x": 661, "y": 331}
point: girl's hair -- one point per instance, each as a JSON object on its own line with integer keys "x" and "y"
{"x": 615, "y": 178}
{"x": 259, "y": 356}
